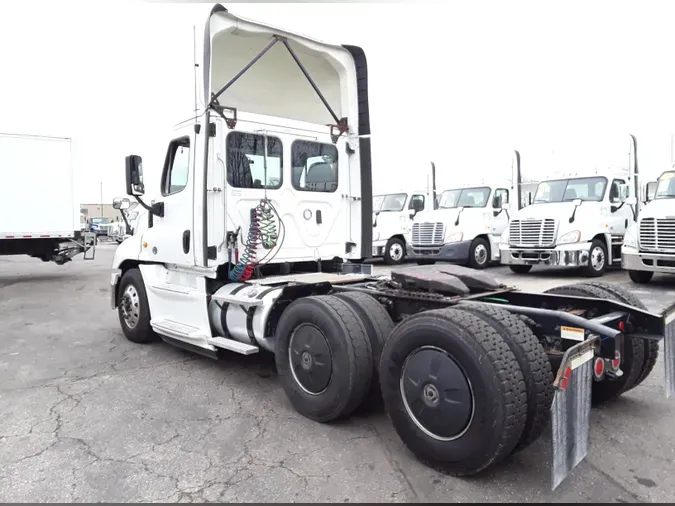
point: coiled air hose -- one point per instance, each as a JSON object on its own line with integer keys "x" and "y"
{"x": 262, "y": 231}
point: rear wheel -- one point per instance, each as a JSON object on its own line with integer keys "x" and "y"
{"x": 323, "y": 356}
{"x": 394, "y": 252}
{"x": 520, "y": 269}
{"x": 651, "y": 351}
{"x": 479, "y": 253}
{"x": 633, "y": 355}
{"x": 532, "y": 360}
{"x": 453, "y": 390}
{"x": 640, "y": 277}
{"x": 378, "y": 325}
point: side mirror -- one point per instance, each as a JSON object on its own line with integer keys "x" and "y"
{"x": 576, "y": 202}
{"x": 650, "y": 190}
{"x": 121, "y": 203}
{"x": 631, "y": 201}
{"x": 134, "y": 175}
{"x": 624, "y": 191}
{"x": 412, "y": 213}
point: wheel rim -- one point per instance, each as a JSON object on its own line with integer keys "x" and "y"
{"x": 396, "y": 252}
{"x": 436, "y": 393}
{"x": 480, "y": 254}
{"x": 597, "y": 258}
{"x": 310, "y": 358}
{"x": 130, "y": 305}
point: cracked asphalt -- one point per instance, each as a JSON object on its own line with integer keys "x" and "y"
{"x": 87, "y": 416}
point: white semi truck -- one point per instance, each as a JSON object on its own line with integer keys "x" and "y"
{"x": 393, "y": 215}
{"x": 254, "y": 244}
{"x": 649, "y": 244}
{"x": 576, "y": 222}
{"x": 39, "y": 215}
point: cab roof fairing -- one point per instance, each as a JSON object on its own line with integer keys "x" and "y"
{"x": 275, "y": 85}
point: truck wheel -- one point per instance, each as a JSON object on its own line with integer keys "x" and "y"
{"x": 520, "y": 269}
{"x": 394, "y": 252}
{"x": 453, "y": 391}
{"x": 597, "y": 259}
{"x": 323, "y": 357}
{"x": 532, "y": 360}
{"x": 378, "y": 325}
{"x": 640, "y": 277}
{"x": 133, "y": 309}
{"x": 633, "y": 353}
{"x": 651, "y": 351}
{"x": 479, "y": 253}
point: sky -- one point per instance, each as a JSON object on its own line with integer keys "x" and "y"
{"x": 460, "y": 83}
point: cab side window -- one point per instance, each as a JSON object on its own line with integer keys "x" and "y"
{"x": 247, "y": 164}
{"x": 176, "y": 166}
{"x": 314, "y": 166}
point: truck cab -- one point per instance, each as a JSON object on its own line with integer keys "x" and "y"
{"x": 393, "y": 214}
{"x": 464, "y": 229}
{"x": 649, "y": 244}
{"x": 572, "y": 222}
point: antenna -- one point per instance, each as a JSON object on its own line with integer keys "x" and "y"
{"x": 194, "y": 61}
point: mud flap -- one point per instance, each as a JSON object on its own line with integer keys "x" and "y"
{"x": 571, "y": 410}
{"x": 669, "y": 353}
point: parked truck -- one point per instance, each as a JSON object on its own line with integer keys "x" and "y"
{"x": 48, "y": 226}
{"x": 470, "y": 370}
{"x": 649, "y": 244}
{"x": 576, "y": 222}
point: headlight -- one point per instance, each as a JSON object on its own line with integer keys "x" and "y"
{"x": 629, "y": 240}
{"x": 570, "y": 237}
{"x": 454, "y": 237}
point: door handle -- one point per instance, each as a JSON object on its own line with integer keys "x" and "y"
{"x": 186, "y": 242}
{"x": 319, "y": 220}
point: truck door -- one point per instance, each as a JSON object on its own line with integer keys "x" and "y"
{"x": 619, "y": 220}
{"x": 501, "y": 221}
{"x": 170, "y": 239}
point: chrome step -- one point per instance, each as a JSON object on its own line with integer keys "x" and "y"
{"x": 232, "y": 345}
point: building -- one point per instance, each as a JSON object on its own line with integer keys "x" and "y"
{"x": 95, "y": 211}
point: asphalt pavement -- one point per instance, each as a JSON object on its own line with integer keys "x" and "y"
{"x": 87, "y": 416}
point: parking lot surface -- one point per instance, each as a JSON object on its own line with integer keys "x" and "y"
{"x": 87, "y": 416}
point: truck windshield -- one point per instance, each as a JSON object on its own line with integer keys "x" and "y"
{"x": 393, "y": 202}
{"x": 464, "y": 197}
{"x": 666, "y": 186}
{"x": 566, "y": 190}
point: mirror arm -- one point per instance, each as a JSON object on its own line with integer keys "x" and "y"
{"x": 156, "y": 209}
{"x": 614, "y": 209}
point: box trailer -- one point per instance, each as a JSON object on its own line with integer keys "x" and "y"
{"x": 38, "y": 212}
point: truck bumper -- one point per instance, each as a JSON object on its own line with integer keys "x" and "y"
{"x": 634, "y": 260}
{"x": 452, "y": 252}
{"x": 114, "y": 279}
{"x": 378, "y": 248}
{"x": 568, "y": 255}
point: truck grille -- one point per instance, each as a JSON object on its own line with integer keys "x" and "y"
{"x": 538, "y": 233}
{"x": 424, "y": 234}
{"x": 657, "y": 234}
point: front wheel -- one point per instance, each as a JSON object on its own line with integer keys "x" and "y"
{"x": 597, "y": 260}
{"x": 133, "y": 309}
{"x": 479, "y": 253}
{"x": 640, "y": 277}
{"x": 394, "y": 252}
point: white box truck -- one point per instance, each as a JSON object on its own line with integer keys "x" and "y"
{"x": 39, "y": 216}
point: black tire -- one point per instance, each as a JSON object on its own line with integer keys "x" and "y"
{"x": 640, "y": 277}
{"x": 599, "y": 247}
{"x": 633, "y": 354}
{"x": 488, "y": 415}
{"x": 426, "y": 262}
{"x": 520, "y": 269}
{"x": 390, "y": 259}
{"x": 345, "y": 343}
{"x": 479, "y": 253}
{"x": 133, "y": 310}
{"x": 533, "y": 362}
{"x": 651, "y": 347}
{"x": 378, "y": 325}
